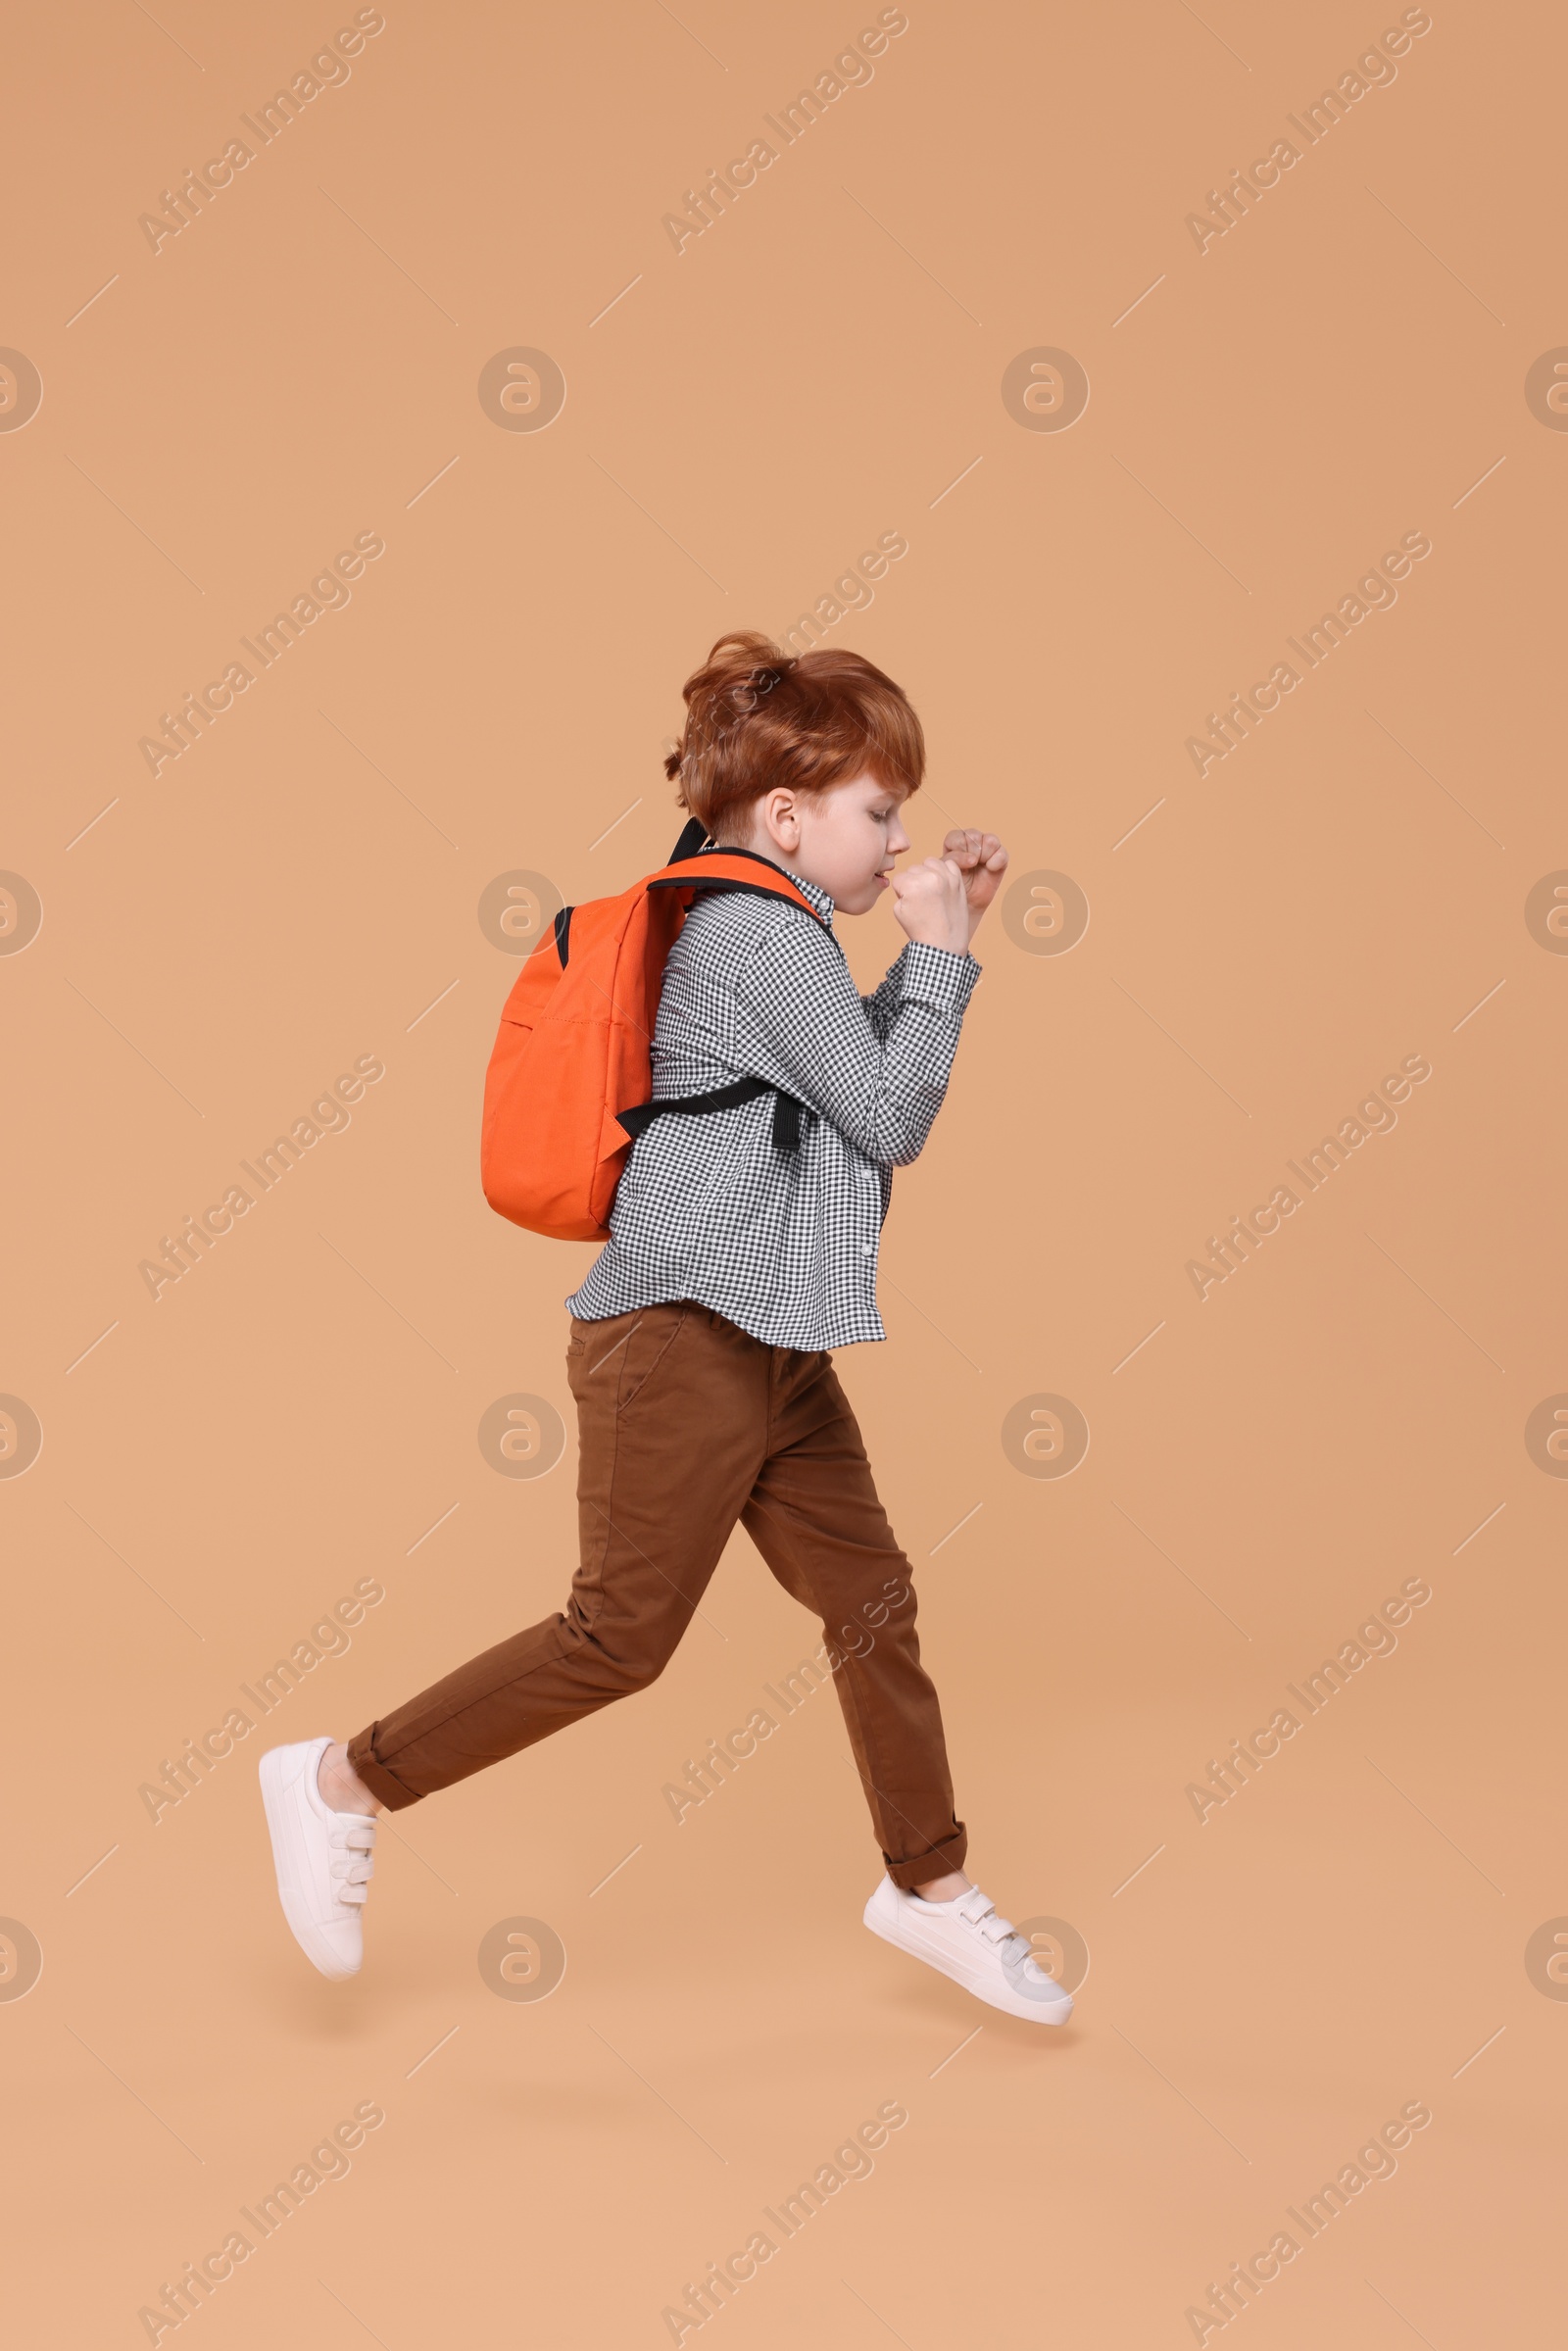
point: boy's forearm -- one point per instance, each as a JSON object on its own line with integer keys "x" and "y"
{"x": 896, "y": 1123}
{"x": 887, "y": 996}
{"x": 877, "y": 1068}
{"x": 891, "y": 990}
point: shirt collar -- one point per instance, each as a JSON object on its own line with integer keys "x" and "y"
{"x": 817, "y": 897}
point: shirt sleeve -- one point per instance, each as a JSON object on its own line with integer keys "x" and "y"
{"x": 876, "y": 1067}
{"x": 883, "y": 1001}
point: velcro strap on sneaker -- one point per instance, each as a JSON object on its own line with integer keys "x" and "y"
{"x": 984, "y": 1916}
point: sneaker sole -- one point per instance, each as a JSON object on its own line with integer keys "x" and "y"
{"x": 1032, "y": 2012}
{"x": 278, "y": 1801}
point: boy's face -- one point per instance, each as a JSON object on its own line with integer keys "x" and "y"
{"x": 845, "y": 840}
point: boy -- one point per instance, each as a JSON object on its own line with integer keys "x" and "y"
{"x": 743, "y": 1246}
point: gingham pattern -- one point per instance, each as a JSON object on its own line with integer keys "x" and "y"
{"x": 782, "y": 1244}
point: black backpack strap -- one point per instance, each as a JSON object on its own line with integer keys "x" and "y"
{"x": 693, "y": 834}
{"x": 787, "y": 1111}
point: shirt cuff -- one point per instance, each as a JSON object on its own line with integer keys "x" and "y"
{"x": 937, "y": 976}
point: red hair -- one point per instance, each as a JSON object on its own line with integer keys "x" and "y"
{"x": 757, "y": 719}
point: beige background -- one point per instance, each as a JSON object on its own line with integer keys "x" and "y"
{"x": 300, "y": 888}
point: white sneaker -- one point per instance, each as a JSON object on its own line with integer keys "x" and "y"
{"x": 966, "y": 1939}
{"x": 323, "y": 1857}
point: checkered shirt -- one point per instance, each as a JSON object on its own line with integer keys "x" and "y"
{"x": 783, "y": 1244}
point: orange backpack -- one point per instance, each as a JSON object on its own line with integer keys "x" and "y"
{"x": 567, "y": 1090}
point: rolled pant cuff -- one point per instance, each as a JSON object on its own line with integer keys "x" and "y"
{"x": 950, "y": 1854}
{"x": 377, "y": 1779}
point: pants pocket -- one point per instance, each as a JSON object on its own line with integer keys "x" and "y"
{"x": 653, "y": 1337}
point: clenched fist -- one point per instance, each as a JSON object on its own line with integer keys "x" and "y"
{"x": 941, "y": 900}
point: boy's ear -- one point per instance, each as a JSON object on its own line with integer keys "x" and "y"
{"x": 786, "y": 813}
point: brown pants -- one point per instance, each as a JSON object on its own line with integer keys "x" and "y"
{"x": 687, "y": 1425}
